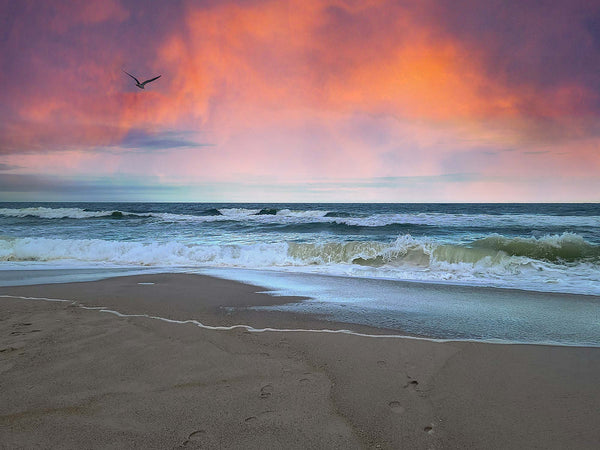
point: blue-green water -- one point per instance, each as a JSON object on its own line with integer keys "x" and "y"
{"x": 545, "y": 247}
{"x": 532, "y": 247}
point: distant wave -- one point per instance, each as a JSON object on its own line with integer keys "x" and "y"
{"x": 67, "y": 213}
{"x": 342, "y": 228}
{"x": 267, "y": 212}
{"x": 211, "y": 212}
{"x": 54, "y": 213}
{"x": 564, "y": 262}
{"x": 287, "y": 217}
{"x": 337, "y": 214}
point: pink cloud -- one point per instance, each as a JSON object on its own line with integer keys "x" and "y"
{"x": 288, "y": 92}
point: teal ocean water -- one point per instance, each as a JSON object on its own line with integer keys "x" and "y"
{"x": 293, "y": 248}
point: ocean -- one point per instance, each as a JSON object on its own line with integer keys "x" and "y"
{"x": 426, "y": 269}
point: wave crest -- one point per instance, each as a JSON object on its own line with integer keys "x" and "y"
{"x": 496, "y": 260}
{"x": 305, "y": 217}
{"x": 556, "y": 248}
{"x": 405, "y": 250}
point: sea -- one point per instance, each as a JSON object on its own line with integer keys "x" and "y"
{"x": 510, "y": 273}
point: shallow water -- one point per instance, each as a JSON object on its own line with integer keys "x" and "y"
{"x": 441, "y": 311}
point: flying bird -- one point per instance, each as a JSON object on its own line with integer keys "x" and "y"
{"x": 141, "y": 85}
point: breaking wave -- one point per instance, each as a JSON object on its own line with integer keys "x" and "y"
{"x": 567, "y": 247}
{"x": 567, "y": 262}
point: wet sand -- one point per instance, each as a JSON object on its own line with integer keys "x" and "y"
{"x": 81, "y": 378}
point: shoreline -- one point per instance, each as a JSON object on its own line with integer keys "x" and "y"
{"x": 75, "y": 378}
{"x": 241, "y": 299}
{"x": 96, "y": 274}
{"x": 328, "y": 327}
{"x": 220, "y": 302}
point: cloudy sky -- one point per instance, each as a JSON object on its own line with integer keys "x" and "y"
{"x": 308, "y": 100}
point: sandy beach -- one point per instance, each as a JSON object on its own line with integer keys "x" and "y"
{"x": 72, "y": 377}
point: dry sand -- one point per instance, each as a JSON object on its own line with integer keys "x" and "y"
{"x": 78, "y": 378}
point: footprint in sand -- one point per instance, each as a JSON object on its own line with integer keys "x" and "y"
{"x": 7, "y": 349}
{"x": 412, "y": 384}
{"x": 195, "y": 436}
{"x": 266, "y": 391}
{"x": 381, "y": 363}
{"x": 252, "y": 419}
{"x": 23, "y": 333}
{"x": 307, "y": 379}
{"x": 20, "y": 331}
{"x": 396, "y": 407}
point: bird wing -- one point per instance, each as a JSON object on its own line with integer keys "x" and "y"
{"x": 136, "y": 80}
{"x": 150, "y": 80}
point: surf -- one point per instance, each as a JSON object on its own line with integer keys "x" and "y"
{"x": 564, "y": 262}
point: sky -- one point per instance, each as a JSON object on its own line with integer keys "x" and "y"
{"x": 300, "y": 101}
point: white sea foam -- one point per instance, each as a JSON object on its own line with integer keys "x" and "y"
{"x": 309, "y": 214}
{"x": 406, "y": 258}
{"x": 238, "y": 212}
{"x": 288, "y": 216}
{"x": 53, "y": 213}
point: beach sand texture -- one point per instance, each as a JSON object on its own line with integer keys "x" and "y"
{"x": 72, "y": 377}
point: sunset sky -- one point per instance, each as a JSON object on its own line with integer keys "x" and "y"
{"x": 310, "y": 101}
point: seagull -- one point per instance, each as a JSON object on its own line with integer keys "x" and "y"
{"x": 137, "y": 82}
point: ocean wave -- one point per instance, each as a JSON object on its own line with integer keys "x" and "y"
{"x": 68, "y": 213}
{"x": 337, "y": 214}
{"x": 211, "y": 212}
{"x": 562, "y": 260}
{"x": 267, "y": 212}
{"x": 138, "y": 253}
{"x": 492, "y": 250}
{"x": 567, "y": 247}
{"x": 287, "y": 216}
{"x": 341, "y": 228}
{"x": 54, "y": 213}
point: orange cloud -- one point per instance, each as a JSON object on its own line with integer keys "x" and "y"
{"x": 284, "y": 56}
{"x": 290, "y": 91}
{"x": 231, "y": 67}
